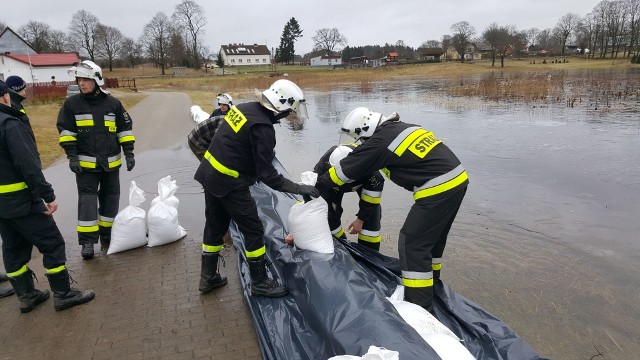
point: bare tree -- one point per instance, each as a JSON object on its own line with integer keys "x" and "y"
{"x": 156, "y": 37}
{"x": 633, "y": 10}
{"x": 36, "y": 33}
{"x": 327, "y": 39}
{"x": 568, "y": 24}
{"x": 108, "y": 43}
{"x": 130, "y": 51}
{"x": 58, "y": 41}
{"x": 2, "y": 26}
{"x": 431, "y": 44}
{"x": 462, "y": 34}
{"x": 532, "y": 35}
{"x": 190, "y": 17}
{"x": 82, "y": 32}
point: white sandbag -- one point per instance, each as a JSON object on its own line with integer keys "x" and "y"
{"x": 162, "y": 219}
{"x": 129, "y": 229}
{"x": 197, "y": 114}
{"x": 444, "y": 341}
{"x": 309, "y": 178}
{"x": 308, "y": 224}
{"x": 374, "y": 353}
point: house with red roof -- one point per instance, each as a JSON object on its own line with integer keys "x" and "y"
{"x": 34, "y": 68}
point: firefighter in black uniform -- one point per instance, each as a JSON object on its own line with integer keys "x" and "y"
{"x": 415, "y": 159}
{"x": 242, "y": 152}
{"x": 369, "y": 189}
{"x": 27, "y": 202}
{"x": 225, "y": 102}
{"x": 93, "y": 127}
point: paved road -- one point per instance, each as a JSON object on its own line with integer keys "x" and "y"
{"x": 147, "y": 302}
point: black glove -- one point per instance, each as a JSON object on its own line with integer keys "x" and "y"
{"x": 74, "y": 164}
{"x": 131, "y": 161}
{"x": 307, "y": 190}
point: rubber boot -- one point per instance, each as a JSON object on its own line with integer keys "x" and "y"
{"x": 209, "y": 276}
{"x": 422, "y": 296}
{"x": 370, "y": 245}
{"x": 105, "y": 241}
{"x": 29, "y": 296}
{"x": 261, "y": 284}
{"x": 87, "y": 251}
{"x": 64, "y": 296}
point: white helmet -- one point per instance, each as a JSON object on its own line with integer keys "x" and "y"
{"x": 284, "y": 95}
{"x": 224, "y": 99}
{"x": 361, "y": 123}
{"x": 89, "y": 70}
{"x": 339, "y": 153}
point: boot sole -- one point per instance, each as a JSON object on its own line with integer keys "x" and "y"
{"x": 65, "y": 307}
{"x": 258, "y": 293}
{"x": 25, "y": 310}
{"x": 211, "y": 287}
{"x": 8, "y": 293}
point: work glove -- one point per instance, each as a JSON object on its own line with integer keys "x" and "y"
{"x": 307, "y": 190}
{"x": 131, "y": 161}
{"x": 74, "y": 164}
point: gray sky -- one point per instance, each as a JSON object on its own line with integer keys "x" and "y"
{"x": 371, "y": 22}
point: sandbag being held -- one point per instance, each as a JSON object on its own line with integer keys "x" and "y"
{"x": 162, "y": 219}
{"x": 129, "y": 229}
{"x": 308, "y": 224}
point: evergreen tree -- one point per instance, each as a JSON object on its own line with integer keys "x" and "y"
{"x": 290, "y": 34}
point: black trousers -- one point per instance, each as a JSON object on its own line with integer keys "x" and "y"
{"x": 423, "y": 237}
{"x": 98, "y": 203}
{"x": 239, "y": 206}
{"x": 20, "y": 234}
{"x": 334, "y": 199}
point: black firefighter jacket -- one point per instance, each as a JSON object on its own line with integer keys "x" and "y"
{"x": 94, "y": 128}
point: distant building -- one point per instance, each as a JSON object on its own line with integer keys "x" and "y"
{"x": 430, "y": 53}
{"x": 326, "y": 61}
{"x": 245, "y": 55}
{"x": 359, "y": 61}
{"x": 38, "y": 67}
{"x": 12, "y": 43}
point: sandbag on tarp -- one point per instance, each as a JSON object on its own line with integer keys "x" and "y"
{"x": 337, "y": 303}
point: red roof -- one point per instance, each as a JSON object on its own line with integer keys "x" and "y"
{"x": 63, "y": 59}
{"x": 393, "y": 54}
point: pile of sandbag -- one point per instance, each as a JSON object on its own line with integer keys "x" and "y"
{"x": 132, "y": 225}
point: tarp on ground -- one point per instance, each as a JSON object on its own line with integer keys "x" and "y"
{"x": 337, "y": 302}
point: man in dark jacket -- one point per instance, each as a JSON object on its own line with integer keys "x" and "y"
{"x": 242, "y": 152}
{"x": 415, "y": 159}
{"x": 369, "y": 189}
{"x": 94, "y": 127}
{"x": 27, "y": 202}
{"x": 225, "y": 102}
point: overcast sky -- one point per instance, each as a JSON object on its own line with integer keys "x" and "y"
{"x": 371, "y": 22}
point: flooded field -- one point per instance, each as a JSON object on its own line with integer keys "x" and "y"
{"x": 547, "y": 237}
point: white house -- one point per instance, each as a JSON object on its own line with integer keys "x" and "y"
{"x": 326, "y": 61}
{"x": 245, "y": 55}
{"x": 38, "y": 67}
{"x": 12, "y": 43}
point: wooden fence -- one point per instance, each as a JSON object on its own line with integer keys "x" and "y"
{"x": 58, "y": 89}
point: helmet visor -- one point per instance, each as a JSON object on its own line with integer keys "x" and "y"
{"x": 301, "y": 110}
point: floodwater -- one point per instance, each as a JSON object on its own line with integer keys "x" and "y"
{"x": 547, "y": 236}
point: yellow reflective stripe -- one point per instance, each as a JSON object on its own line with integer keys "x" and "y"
{"x": 417, "y": 283}
{"x": 211, "y": 249}
{"x": 111, "y": 125}
{"x": 408, "y": 141}
{"x": 84, "y": 122}
{"x": 126, "y": 139}
{"x": 105, "y": 223}
{"x": 436, "y": 266}
{"x": 442, "y": 187}
{"x": 88, "y": 164}
{"x": 87, "y": 229}
{"x": 334, "y": 177}
{"x": 67, "y": 138}
{"x": 115, "y": 163}
{"x": 22, "y": 270}
{"x": 339, "y": 233}
{"x": 23, "y": 111}
{"x": 256, "y": 253}
{"x": 370, "y": 199}
{"x": 221, "y": 168}
{"x": 371, "y": 239}
{"x": 55, "y": 270}
{"x": 13, "y": 187}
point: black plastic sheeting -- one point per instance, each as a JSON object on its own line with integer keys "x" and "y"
{"x": 337, "y": 302}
